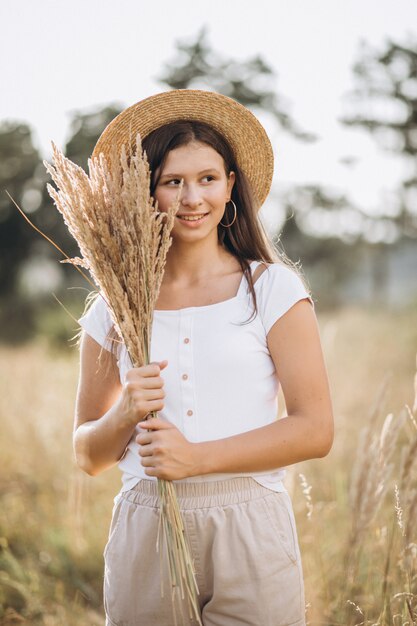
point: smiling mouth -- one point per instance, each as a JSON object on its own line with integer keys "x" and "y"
{"x": 192, "y": 218}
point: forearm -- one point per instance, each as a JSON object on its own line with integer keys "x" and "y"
{"x": 99, "y": 444}
{"x": 287, "y": 441}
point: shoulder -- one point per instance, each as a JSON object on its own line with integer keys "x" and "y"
{"x": 96, "y": 308}
{"x": 267, "y": 274}
{"x": 96, "y": 319}
{"x": 278, "y": 288}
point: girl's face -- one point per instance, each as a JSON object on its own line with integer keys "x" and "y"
{"x": 205, "y": 191}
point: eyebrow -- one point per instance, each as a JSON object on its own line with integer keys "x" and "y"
{"x": 210, "y": 169}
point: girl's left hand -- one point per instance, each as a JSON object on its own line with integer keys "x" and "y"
{"x": 165, "y": 452}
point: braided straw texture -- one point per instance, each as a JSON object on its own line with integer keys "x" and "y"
{"x": 240, "y": 127}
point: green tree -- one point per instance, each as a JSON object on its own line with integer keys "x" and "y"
{"x": 250, "y": 82}
{"x": 24, "y": 176}
{"x": 384, "y": 103}
{"x": 19, "y": 175}
{"x": 334, "y": 238}
{"x": 85, "y": 129}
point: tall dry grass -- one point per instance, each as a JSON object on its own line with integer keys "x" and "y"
{"x": 356, "y": 509}
{"x": 360, "y": 568}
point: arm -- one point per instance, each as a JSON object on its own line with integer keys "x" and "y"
{"x": 106, "y": 413}
{"x": 305, "y": 433}
{"x": 307, "y": 430}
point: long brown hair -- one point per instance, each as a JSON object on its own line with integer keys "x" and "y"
{"x": 246, "y": 239}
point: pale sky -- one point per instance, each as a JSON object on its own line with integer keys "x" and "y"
{"x": 58, "y": 56}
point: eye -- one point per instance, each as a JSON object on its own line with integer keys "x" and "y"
{"x": 209, "y": 178}
{"x": 173, "y": 181}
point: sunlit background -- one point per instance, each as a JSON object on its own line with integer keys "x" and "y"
{"x": 335, "y": 85}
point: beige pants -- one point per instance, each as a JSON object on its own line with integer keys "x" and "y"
{"x": 244, "y": 544}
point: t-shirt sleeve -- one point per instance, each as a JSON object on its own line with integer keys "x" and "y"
{"x": 280, "y": 287}
{"x": 97, "y": 322}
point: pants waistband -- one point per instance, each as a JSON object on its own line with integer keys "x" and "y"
{"x": 195, "y": 495}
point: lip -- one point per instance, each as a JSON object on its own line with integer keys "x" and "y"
{"x": 193, "y": 223}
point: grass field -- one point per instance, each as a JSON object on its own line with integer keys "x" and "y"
{"x": 356, "y": 509}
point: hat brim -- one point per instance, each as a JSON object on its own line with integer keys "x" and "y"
{"x": 245, "y": 134}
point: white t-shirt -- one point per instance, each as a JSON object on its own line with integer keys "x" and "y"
{"x": 220, "y": 379}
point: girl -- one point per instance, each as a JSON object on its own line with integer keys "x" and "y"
{"x": 233, "y": 321}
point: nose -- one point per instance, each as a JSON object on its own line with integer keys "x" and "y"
{"x": 191, "y": 197}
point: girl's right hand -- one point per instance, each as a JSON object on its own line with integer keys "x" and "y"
{"x": 142, "y": 392}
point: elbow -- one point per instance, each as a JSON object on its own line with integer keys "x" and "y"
{"x": 87, "y": 468}
{"x": 324, "y": 449}
{"x": 84, "y": 463}
{"x": 325, "y": 441}
{"x": 82, "y": 456}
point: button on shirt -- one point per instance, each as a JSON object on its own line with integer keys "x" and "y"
{"x": 220, "y": 379}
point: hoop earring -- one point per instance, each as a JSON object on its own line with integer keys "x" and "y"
{"x": 234, "y": 218}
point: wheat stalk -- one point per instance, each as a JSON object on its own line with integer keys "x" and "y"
{"x": 124, "y": 240}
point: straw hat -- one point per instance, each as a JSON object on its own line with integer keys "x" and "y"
{"x": 243, "y": 131}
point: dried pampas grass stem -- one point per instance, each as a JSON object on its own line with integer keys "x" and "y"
{"x": 124, "y": 240}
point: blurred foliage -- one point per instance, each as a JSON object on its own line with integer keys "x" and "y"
{"x": 85, "y": 129}
{"x": 320, "y": 228}
{"x": 23, "y": 252}
{"x": 250, "y": 82}
{"x": 385, "y": 104}
{"x": 334, "y": 239}
{"x": 19, "y": 174}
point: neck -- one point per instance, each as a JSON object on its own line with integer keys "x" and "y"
{"x": 189, "y": 262}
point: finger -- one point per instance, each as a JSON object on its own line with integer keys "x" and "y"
{"x": 152, "y": 382}
{"x": 151, "y": 471}
{"x": 147, "y": 461}
{"x": 144, "y": 439}
{"x": 151, "y": 396}
{"x": 145, "y": 451}
{"x": 152, "y": 369}
{"x": 155, "y": 423}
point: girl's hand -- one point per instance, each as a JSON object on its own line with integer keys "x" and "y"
{"x": 165, "y": 452}
{"x": 142, "y": 392}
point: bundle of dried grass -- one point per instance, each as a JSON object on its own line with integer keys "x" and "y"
{"x": 124, "y": 241}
